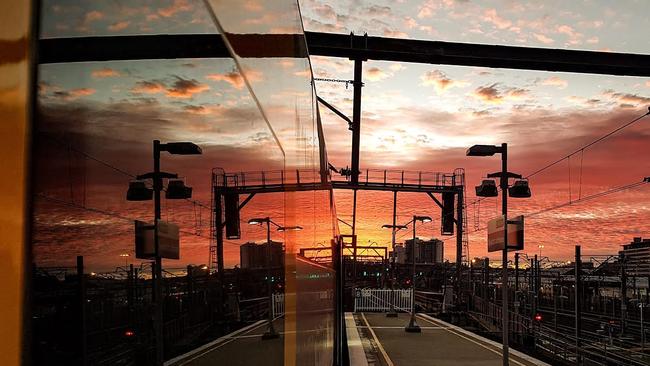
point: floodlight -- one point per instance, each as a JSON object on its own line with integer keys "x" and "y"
{"x": 138, "y": 191}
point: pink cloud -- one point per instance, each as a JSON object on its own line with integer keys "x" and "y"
{"x": 234, "y": 78}
{"x": 440, "y": 81}
{"x": 92, "y": 16}
{"x": 186, "y": 88}
{"x": 491, "y": 16}
{"x": 555, "y": 81}
{"x": 118, "y": 26}
{"x": 148, "y": 87}
{"x": 176, "y": 7}
{"x": 544, "y": 39}
{"x": 376, "y": 74}
{"x": 105, "y": 73}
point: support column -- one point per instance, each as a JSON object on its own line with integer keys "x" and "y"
{"x": 578, "y": 302}
{"x": 459, "y": 246}
{"x": 356, "y": 119}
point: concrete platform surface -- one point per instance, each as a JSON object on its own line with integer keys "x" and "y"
{"x": 439, "y": 343}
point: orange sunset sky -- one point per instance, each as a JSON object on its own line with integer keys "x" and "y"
{"x": 97, "y": 120}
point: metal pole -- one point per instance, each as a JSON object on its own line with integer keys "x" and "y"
{"x": 578, "y": 305}
{"x": 82, "y": 311}
{"x": 504, "y": 211}
{"x": 356, "y": 119}
{"x": 642, "y": 330}
{"x": 516, "y": 272}
{"x": 412, "y": 327}
{"x": 270, "y": 333}
{"x": 354, "y": 239}
{"x": 459, "y": 246}
{"x": 157, "y": 280}
{"x": 623, "y": 294}
{"x": 393, "y": 313}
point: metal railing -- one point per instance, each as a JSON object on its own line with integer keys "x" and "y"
{"x": 271, "y": 178}
{"x": 409, "y": 177}
{"x": 380, "y": 300}
{"x": 266, "y": 178}
{"x": 278, "y": 305}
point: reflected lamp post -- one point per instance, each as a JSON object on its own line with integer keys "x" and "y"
{"x": 412, "y": 326}
{"x": 520, "y": 189}
{"x": 138, "y": 191}
{"x": 392, "y": 313}
{"x": 271, "y": 333}
{"x": 126, "y": 258}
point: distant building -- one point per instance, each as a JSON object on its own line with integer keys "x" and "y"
{"x": 253, "y": 256}
{"x": 637, "y": 257}
{"x": 400, "y": 254}
{"x": 426, "y": 251}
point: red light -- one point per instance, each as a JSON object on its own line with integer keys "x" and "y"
{"x": 538, "y": 317}
{"x": 129, "y": 333}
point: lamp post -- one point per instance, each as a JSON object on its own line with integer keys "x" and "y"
{"x": 271, "y": 333}
{"x": 540, "y": 250}
{"x": 394, "y": 228}
{"x": 139, "y": 192}
{"x": 519, "y": 190}
{"x": 126, "y": 258}
{"x": 413, "y": 327}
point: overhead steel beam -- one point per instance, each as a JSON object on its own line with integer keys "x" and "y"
{"x": 80, "y": 49}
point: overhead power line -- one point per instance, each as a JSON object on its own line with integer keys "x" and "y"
{"x": 581, "y": 149}
{"x": 607, "y": 192}
{"x": 113, "y": 214}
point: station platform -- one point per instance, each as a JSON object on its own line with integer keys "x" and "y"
{"x": 385, "y": 343}
{"x": 373, "y": 340}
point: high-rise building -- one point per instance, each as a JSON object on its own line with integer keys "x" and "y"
{"x": 637, "y": 257}
{"x": 426, "y": 251}
{"x": 253, "y": 256}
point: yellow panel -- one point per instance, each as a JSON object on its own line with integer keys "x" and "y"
{"x": 14, "y": 117}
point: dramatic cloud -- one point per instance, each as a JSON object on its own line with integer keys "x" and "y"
{"x": 440, "y": 81}
{"x": 235, "y": 79}
{"x": 555, "y": 81}
{"x": 376, "y": 74}
{"x": 496, "y": 94}
{"x": 148, "y": 87}
{"x": 176, "y": 7}
{"x": 105, "y": 72}
{"x": 627, "y": 98}
{"x": 544, "y": 39}
{"x": 186, "y": 88}
{"x": 92, "y": 16}
{"x": 116, "y": 27}
{"x": 491, "y": 16}
{"x": 70, "y": 95}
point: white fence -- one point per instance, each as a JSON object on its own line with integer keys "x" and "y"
{"x": 372, "y": 299}
{"x": 278, "y": 305}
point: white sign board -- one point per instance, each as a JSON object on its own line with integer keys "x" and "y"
{"x": 496, "y": 233}
{"x": 168, "y": 242}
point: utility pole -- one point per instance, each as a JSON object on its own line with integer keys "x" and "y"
{"x": 578, "y": 303}
{"x": 157, "y": 280}
{"x": 504, "y": 210}
{"x": 393, "y": 313}
{"x": 623, "y": 293}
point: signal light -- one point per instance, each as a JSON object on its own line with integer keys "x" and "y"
{"x": 520, "y": 189}
{"x": 231, "y": 204}
{"x": 538, "y": 317}
{"x": 176, "y": 189}
{"x": 488, "y": 188}
{"x": 447, "y": 222}
{"x": 138, "y": 191}
{"x": 129, "y": 333}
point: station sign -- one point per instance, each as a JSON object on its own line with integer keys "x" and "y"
{"x": 168, "y": 241}
{"x": 496, "y": 234}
